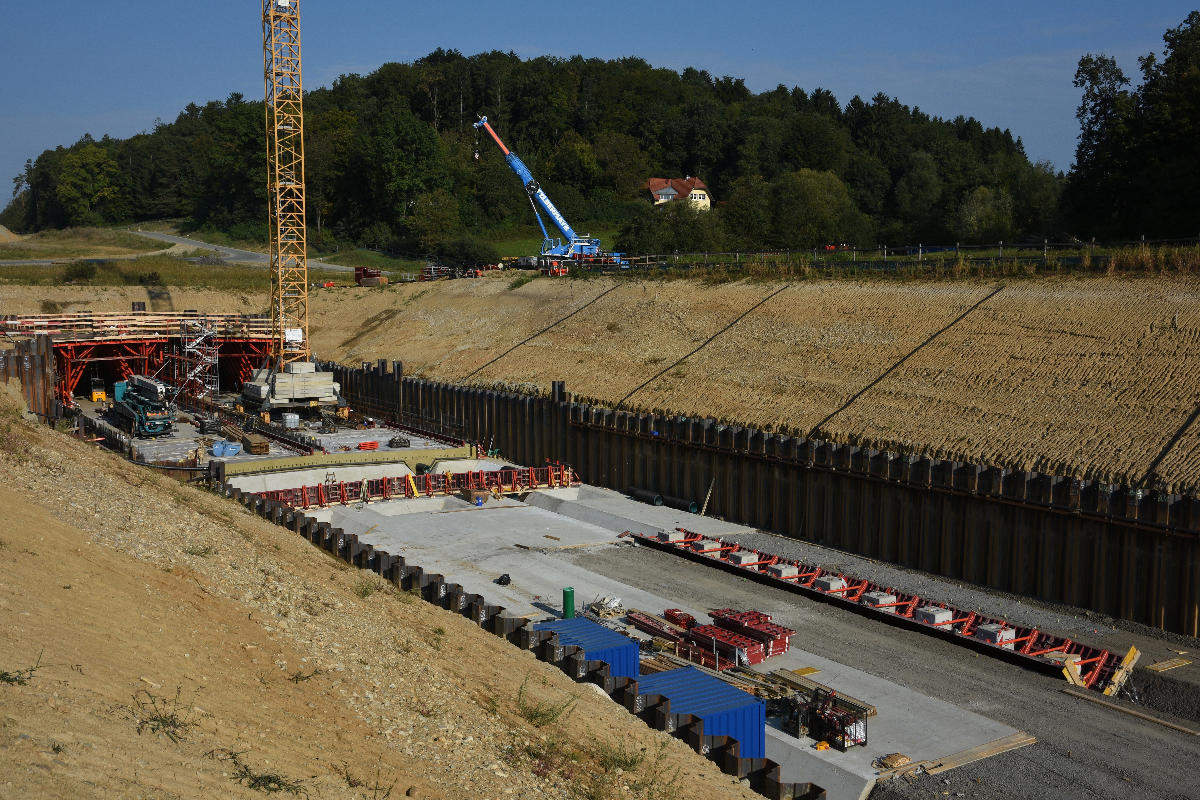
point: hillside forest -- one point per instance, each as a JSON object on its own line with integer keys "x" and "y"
{"x": 394, "y": 163}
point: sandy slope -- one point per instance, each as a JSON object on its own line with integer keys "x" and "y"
{"x": 136, "y": 590}
{"x": 1092, "y": 376}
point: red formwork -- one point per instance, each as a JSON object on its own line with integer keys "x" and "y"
{"x": 755, "y": 624}
{"x": 1017, "y": 643}
{"x": 648, "y": 624}
{"x": 732, "y": 645}
{"x": 680, "y": 617}
{"x": 501, "y": 481}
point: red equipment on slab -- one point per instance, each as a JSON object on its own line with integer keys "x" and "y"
{"x": 1020, "y": 644}
{"x": 756, "y": 625}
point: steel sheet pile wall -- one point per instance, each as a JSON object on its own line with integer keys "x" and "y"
{"x": 1118, "y": 550}
{"x": 598, "y": 643}
{"x": 764, "y": 775}
{"x": 32, "y": 363}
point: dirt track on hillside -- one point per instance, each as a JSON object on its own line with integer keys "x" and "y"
{"x": 1095, "y": 377}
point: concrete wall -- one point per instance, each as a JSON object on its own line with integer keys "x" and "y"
{"x": 1118, "y": 550}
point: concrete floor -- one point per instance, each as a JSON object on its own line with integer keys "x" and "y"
{"x": 473, "y": 546}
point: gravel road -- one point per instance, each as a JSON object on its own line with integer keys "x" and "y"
{"x": 1083, "y": 750}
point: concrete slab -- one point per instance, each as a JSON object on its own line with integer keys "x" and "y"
{"x": 473, "y": 546}
{"x": 470, "y": 465}
{"x": 274, "y": 481}
{"x": 349, "y": 438}
{"x": 618, "y": 512}
{"x": 920, "y": 727}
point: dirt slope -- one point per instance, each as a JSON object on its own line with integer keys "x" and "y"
{"x": 1090, "y": 376}
{"x": 1093, "y": 376}
{"x": 150, "y": 603}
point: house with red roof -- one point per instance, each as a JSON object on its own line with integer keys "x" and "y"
{"x": 664, "y": 190}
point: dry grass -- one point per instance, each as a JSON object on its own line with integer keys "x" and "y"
{"x": 76, "y": 242}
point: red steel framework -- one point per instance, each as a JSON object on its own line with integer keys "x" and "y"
{"x": 1098, "y": 669}
{"x": 238, "y": 357}
{"x": 139, "y": 343}
{"x": 501, "y": 481}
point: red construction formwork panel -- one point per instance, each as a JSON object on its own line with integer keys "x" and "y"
{"x": 756, "y": 625}
{"x": 680, "y": 618}
{"x": 1027, "y": 645}
{"x": 733, "y": 645}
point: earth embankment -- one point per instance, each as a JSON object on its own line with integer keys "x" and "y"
{"x": 1092, "y": 376}
{"x": 159, "y": 641}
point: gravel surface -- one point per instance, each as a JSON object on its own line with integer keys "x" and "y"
{"x": 1083, "y": 750}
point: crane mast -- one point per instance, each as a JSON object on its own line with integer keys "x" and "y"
{"x": 285, "y": 182}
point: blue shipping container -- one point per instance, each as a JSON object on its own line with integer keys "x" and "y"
{"x": 598, "y": 643}
{"x": 726, "y": 711}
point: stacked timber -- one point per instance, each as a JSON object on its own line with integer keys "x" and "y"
{"x": 256, "y": 444}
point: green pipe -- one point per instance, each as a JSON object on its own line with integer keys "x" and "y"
{"x": 568, "y": 602}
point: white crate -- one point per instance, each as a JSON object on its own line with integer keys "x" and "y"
{"x": 933, "y": 615}
{"x": 828, "y": 582}
{"x": 878, "y": 598}
{"x": 997, "y": 634}
{"x": 783, "y": 570}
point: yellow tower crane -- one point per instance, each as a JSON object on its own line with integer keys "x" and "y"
{"x": 285, "y": 182}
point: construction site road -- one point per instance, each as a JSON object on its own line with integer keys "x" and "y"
{"x": 230, "y": 253}
{"x": 1083, "y": 750}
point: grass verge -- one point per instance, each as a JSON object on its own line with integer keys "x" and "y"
{"x": 75, "y": 242}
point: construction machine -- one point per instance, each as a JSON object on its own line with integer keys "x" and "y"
{"x": 143, "y": 407}
{"x": 571, "y": 247}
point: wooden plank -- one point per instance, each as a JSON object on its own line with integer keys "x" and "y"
{"x": 1123, "y": 672}
{"x": 986, "y": 750}
{"x": 808, "y": 685}
{"x": 1095, "y": 698}
{"x": 1170, "y": 663}
{"x": 803, "y": 671}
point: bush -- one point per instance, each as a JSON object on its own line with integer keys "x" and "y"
{"x": 79, "y": 272}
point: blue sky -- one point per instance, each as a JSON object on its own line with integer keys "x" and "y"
{"x": 70, "y": 67}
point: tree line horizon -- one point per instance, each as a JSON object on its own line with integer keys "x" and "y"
{"x": 394, "y": 163}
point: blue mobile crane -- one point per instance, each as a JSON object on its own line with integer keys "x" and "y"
{"x": 572, "y": 247}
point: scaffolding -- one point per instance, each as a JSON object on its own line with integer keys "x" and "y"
{"x": 196, "y": 373}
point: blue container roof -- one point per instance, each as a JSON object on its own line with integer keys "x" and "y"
{"x": 693, "y": 692}
{"x": 726, "y": 710}
{"x": 584, "y": 633}
{"x": 598, "y": 642}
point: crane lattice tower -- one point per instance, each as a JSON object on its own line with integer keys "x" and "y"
{"x": 285, "y": 181}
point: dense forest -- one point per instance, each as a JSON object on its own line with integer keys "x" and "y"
{"x": 393, "y": 161}
{"x": 1137, "y": 165}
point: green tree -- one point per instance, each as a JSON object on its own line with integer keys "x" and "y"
{"x": 89, "y": 187}
{"x": 985, "y": 216}
{"x": 747, "y": 213}
{"x": 811, "y": 209}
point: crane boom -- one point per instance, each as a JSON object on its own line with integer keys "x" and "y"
{"x": 574, "y": 244}
{"x": 285, "y": 181}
